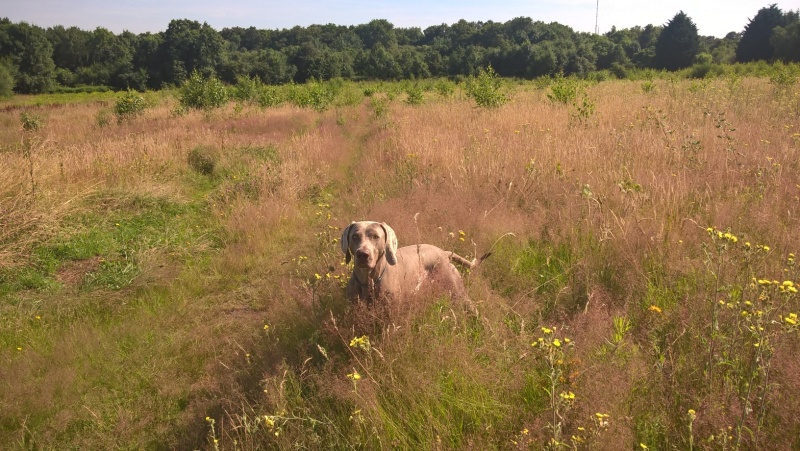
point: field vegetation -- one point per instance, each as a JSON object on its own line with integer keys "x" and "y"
{"x": 170, "y": 273}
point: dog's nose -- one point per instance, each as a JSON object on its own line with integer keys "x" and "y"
{"x": 362, "y": 254}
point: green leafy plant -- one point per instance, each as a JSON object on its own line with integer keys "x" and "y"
{"x": 415, "y": 94}
{"x": 203, "y": 93}
{"x": 564, "y": 90}
{"x": 316, "y": 95}
{"x": 270, "y": 97}
{"x": 129, "y": 106}
{"x": 445, "y": 88}
{"x": 487, "y": 89}
{"x": 380, "y": 106}
{"x": 247, "y": 89}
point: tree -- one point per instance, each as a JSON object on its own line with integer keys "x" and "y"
{"x": 379, "y": 63}
{"x": 786, "y": 41}
{"x": 408, "y": 36}
{"x": 755, "y": 43}
{"x": 30, "y": 55}
{"x": 189, "y": 46}
{"x": 412, "y": 62}
{"x": 6, "y": 81}
{"x": 110, "y": 61}
{"x": 678, "y": 44}
{"x": 377, "y": 32}
{"x": 146, "y": 58}
{"x": 70, "y": 47}
{"x": 724, "y": 50}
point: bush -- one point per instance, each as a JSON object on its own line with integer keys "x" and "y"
{"x": 564, "y": 90}
{"x": 600, "y": 75}
{"x": 202, "y": 160}
{"x": 269, "y": 97}
{"x": 81, "y": 89}
{"x": 783, "y": 76}
{"x": 314, "y": 94}
{"x": 415, "y": 94}
{"x": 129, "y": 106}
{"x": 203, "y": 93}
{"x": 445, "y": 88}
{"x": 486, "y": 89}
{"x": 619, "y": 70}
{"x": 247, "y": 89}
{"x": 31, "y": 122}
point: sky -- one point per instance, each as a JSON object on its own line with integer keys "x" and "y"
{"x": 712, "y": 17}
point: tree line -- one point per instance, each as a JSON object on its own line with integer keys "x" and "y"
{"x": 36, "y": 60}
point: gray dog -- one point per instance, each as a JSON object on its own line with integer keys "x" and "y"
{"x": 384, "y": 272}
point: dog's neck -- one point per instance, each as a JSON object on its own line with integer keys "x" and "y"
{"x": 369, "y": 278}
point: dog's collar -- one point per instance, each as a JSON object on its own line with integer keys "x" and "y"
{"x": 382, "y": 273}
{"x": 377, "y": 279}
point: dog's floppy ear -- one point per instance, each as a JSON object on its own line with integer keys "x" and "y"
{"x": 345, "y": 242}
{"x": 391, "y": 244}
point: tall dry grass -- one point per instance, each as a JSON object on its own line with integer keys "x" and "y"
{"x": 234, "y": 332}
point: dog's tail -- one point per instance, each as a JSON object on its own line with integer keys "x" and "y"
{"x": 476, "y": 261}
{"x": 468, "y": 263}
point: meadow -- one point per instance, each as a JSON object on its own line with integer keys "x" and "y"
{"x": 172, "y": 279}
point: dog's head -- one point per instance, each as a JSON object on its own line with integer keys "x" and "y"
{"x": 367, "y": 242}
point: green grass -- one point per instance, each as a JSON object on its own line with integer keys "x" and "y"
{"x": 119, "y": 232}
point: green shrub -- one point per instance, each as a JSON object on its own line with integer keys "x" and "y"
{"x": 415, "y": 94}
{"x": 270, "y": 97}
{"x": 445, "y": 88}
{"x": 129, "y": 106}
{"x": 702, "y": 66}
{"x": 619, "y": 70}
{"x": 783, "y": 76}
{"x": 486, "y": 89}
{"x": 247, "y": 89}
{"x": 80, "y": 89}
{"x": 600, "y": 75}
{"x": 380, "y": 106}
{"x": 203, "y": 93}
{"x": 564, "y": 90}
{"x": 30, "y": 122}
{"x": 314, "y": 94}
